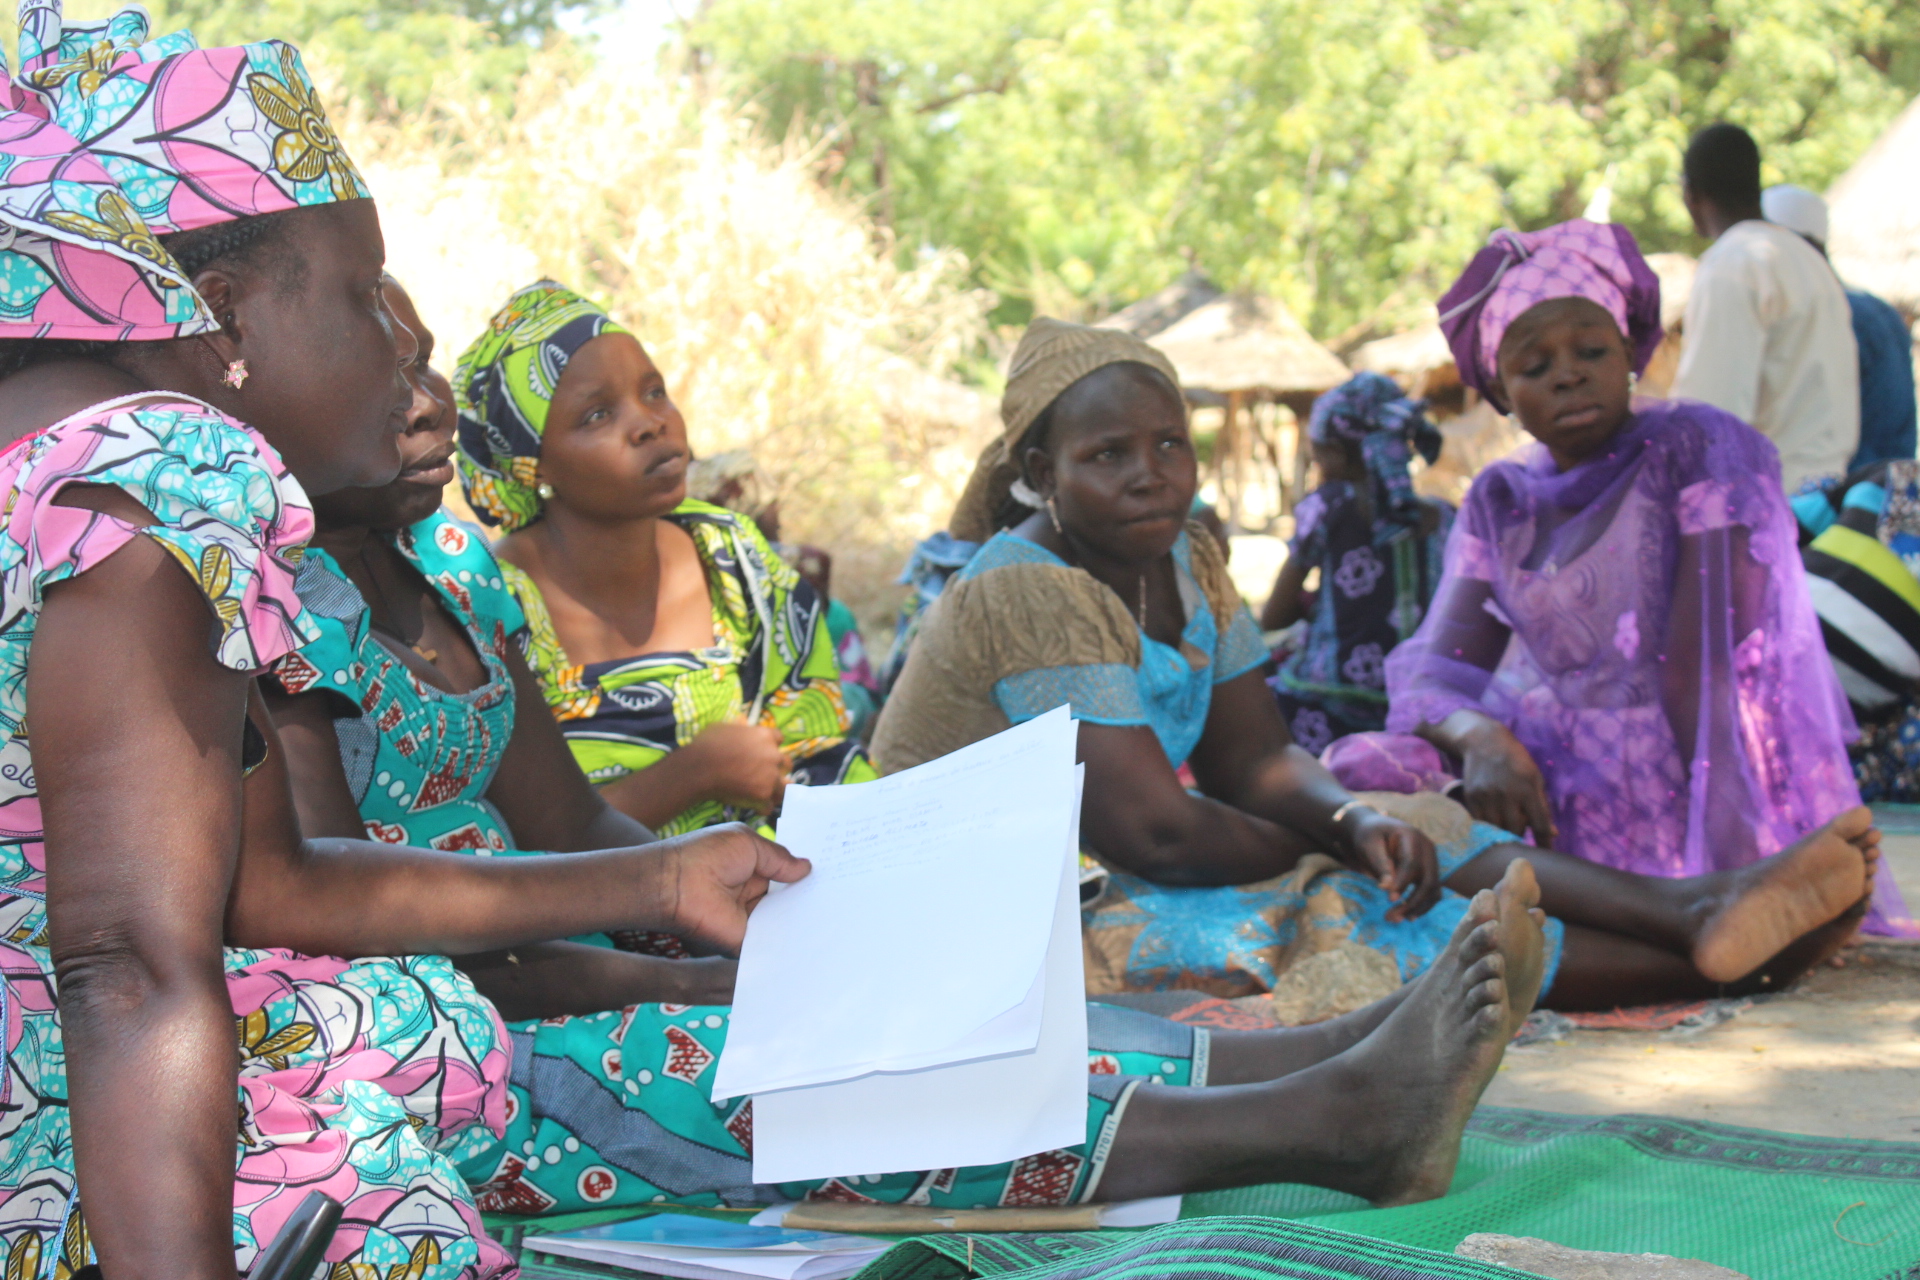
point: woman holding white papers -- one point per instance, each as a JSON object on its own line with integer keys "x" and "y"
{"x": 1092, "y": 591}
{"x": 610, "y": 1093}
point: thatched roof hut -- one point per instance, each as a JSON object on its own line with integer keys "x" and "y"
{"x": 1874, "y": 211}
{"x": 1249, "y": 344}
{"x": 1407, "y": 356}
{"x": 1160, "y": 311}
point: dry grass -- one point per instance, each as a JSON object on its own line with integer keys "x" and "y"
{"x": 783, "y": 322}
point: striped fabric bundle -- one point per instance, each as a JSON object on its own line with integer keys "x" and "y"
{"x": 1869, "y": 607}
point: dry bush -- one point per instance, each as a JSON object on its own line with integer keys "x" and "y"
{"x": 782, "y": 320}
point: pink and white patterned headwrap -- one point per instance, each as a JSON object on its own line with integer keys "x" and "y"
{"x": 109, "y": 140}
{"x": 1600, "y": 262}
{"x": 193, "y": 136}
{"x": 78, "y": 261}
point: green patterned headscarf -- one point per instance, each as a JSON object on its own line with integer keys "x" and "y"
{"x": 503, "y": 385}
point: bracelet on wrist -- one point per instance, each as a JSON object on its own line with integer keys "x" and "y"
{"x": 1349, "y": 807}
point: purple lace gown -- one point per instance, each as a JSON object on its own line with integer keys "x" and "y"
{"x": 1642, "y": 624}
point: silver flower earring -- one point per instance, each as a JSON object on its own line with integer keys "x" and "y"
{"x": 236, "y": 374}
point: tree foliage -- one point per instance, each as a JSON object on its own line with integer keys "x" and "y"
{"x": 388, "y": 57}
{"x": 1347, "y": 155}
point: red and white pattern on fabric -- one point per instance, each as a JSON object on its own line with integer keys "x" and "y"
{"x": 610, "y": 1064}
{"x": 944, "y": 1180}
{"x": 672, "y": 1009}
{"x": 838, "y": 1192}
{"x": 469, "y": 836}
{"x": 452, "y": 539}
{"x": 461, "y": 596}
{"x": 451, "y": 779}
{"x": 740, "y": 1125}
{"x": 296, "y": 674}
{"x": 387, "y": 832}
{"x": 1045, "y": 1179}
{"x": 686, "y": 1057}
{"x": 647, "y": 942}
{"x": 406, "y": 744}
{"x": 597, "y": 1184}
{"x": 371, "y": 698}
{"x": 390, "y": 718}
{"x": 619, "y": 1033}
{"x": 505, "y": 1192}
{"x": 1102, "y": 1064}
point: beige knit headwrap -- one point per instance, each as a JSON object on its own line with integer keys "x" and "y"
{"x": 1052, "y": 356}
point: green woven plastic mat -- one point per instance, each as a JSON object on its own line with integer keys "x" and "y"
{"x": 1773, "y": 1206}
{"x": 1209, "y": 1249}
{"x": 1213, "y": 1249}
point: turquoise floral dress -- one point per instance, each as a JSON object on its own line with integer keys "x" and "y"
{"x": 613, "y": 1109}
{"x": 356, "y": 1078}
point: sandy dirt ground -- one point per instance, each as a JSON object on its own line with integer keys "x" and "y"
{"x": 1838, "y": 1055}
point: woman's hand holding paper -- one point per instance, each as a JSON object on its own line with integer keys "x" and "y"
{"x": 702, "y": 886}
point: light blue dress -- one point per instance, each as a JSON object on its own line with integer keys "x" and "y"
{"x": 1236, "y": 939}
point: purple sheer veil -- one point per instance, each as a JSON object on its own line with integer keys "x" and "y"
{"x": 1641, "y": 622}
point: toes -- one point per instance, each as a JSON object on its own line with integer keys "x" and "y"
{"x": 1481, "y": 908}
{"x": 1493, "y": 966}
{"x": 1484, "y": 940}
{"x": 1854, "y": 825}
{"x": 1519, "y": 885}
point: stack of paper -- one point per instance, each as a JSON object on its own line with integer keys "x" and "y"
{"x": 918, "y": 1001}
{"x": 678, "y": 1244}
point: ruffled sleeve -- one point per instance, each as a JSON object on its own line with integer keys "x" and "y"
{"x": 1050, "y": 635}
{"x": 223, "y": 503}
{"x": 1447, "y": 664}
{"x": 1715, "y": 472}
{"x": 1014, "y": 635}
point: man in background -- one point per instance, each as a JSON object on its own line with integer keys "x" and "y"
{"x": 1769, "y": 335}
{"x": 1888, "y": 416}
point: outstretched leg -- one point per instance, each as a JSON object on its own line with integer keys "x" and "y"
{"x": 1383, "y": 1119}
{"x": 1724, "y": 926}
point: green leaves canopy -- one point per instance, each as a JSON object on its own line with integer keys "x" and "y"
{"x": 1347, "y": 155}
{"x": 388, "y": 56}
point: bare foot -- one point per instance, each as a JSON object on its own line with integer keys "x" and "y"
{"x": 1824, "y": 943}
{"x": 1767, "y": 906}
{"x": 1521, "y": 917}
{"x": 1427, "y": 1065}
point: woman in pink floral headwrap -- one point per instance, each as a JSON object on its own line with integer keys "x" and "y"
{"x": 192, "y": 338}
{"x": 1621, "y": 657}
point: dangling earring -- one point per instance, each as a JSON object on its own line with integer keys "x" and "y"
{"x": 236, "y": 374}
{"x": 1053, "y": 514}
{"x": 545, "y": 491}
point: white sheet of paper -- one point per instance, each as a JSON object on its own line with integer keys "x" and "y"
{"x": 919, "y": 936}
{"x": 971, "y": 1113}
{"x": 660, "y": 1259}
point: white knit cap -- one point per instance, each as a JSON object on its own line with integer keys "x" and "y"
{"x": 1797, "y": 209}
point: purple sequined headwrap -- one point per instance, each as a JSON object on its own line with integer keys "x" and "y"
{"x": 1518, "y": 269}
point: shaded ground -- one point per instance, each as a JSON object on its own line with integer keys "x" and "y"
{"x": 1838, "y": 1055}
